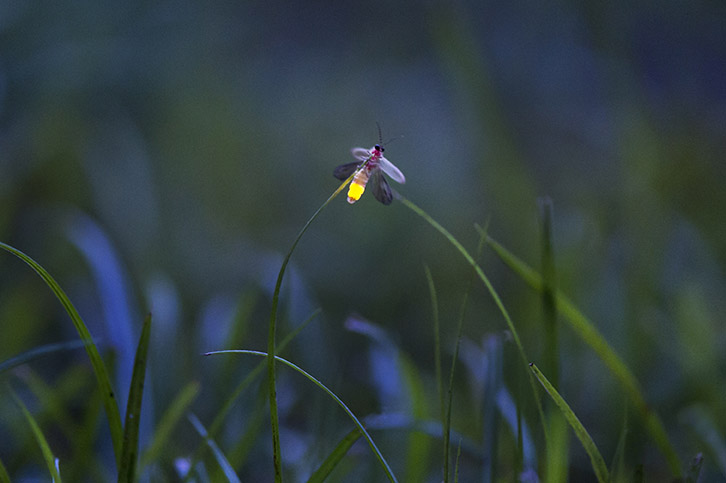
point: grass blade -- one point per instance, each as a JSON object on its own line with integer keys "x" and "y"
{"x": 227, "y": 469}
{"x": 454, "y": 358}
{"x": 335, "y": 457}
{"x": 130, "y": 449}
{"x": 272, "y": 330}
{"x": 598, "y": 463}
{"x": 171, "y": 417}
{"x": 109, "y": 399}
{"x": 419, "y": 443}
{"x": 330, "y": 393}
{"x": 4, "y": 476}
{"x": 50, "y": 460}
{"x": 492, "y": 292}
{"x": 253, "y": 374}
{"x": 617, "y": 467}
{"x": 437, "y": 366}
{"x": 549, "y": 289}
{"x": 38, "y": 352}
{"x": 590, "y": 335}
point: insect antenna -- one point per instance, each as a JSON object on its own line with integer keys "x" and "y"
{"x": 391, "y": 140}
{"x": 380, "y": 137}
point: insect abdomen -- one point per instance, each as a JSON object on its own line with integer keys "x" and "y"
{"x": 357, "y": 186}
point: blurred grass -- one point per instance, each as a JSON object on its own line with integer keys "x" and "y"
{"x": 198, "y": 137}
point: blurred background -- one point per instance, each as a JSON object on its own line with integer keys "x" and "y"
{"x": 162, "y": 156}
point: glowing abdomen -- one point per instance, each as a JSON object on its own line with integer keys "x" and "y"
{"x": 357, "y": 186}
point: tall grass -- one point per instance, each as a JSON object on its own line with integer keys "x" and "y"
{"x": 126, "y": 439}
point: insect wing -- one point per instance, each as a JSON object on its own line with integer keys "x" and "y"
{"x": 380, "y": 188}
{"x": 360, "y": 154}
{"x": 344, "y": 170}
{"x": 391, "y": 170}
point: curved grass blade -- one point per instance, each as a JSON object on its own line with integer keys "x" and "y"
{"x": 50, "y": 460}
{"x": 598, "y": 463}
{"x": 130, "y": 449}
{"x": 4, "y": 476}
{"x": 227, "y": 407}
{"x": 227, "y": 469}
{"x": 99, "y": 369}
{"x": 171, "y": 417}
{"x": 272, "y": 330}
{"x": 584, "y": 328}
{"x": 327, "y": 466}
{"x": 38, "y": 352}
{"x": 330, "y": 393}
{"x": 492, "y": 292}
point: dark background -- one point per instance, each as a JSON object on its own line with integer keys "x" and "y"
{"x": 163, "y": 155}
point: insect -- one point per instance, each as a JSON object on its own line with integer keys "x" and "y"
{"x": 373, "y": 171}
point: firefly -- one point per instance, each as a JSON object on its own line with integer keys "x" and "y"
{"x": 373, "y": 171}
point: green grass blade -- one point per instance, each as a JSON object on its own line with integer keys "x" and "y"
{"x": 227, "y": 469}
{"x": 50, "y": 460}
{"x": 456, "y": 467}
{"x": 492, "y": 292}
{"x": 130, "y": 449}
{"x": 549, "y": 289}
{"x": 419, "y": 443}
{"x": 242, "y": 386}
{"x": 454, "y": 358}
{"x": 169, "y": 421}
{"x": 590, "y": 335}
{"x": 437, "y": 366}
{"x": 598, "y": 463}
{"x": 272, "y": 330}
{"x": 341, "y": 449}
{"x": 376, "y": 451}
{"x": 222, "y": 414}
{"x": 617, "y": 467}
{"x": 37, "y": 352}
{"x": 99, "y": 369}
{"x": 4, "y": 476}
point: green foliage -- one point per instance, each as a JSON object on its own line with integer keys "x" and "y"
{"x": 108, "y": 395}
{"x": 192, "y": 142}
{"x": 130, "y": 449}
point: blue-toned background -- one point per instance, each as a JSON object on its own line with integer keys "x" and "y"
{"x": 162, "y": 156}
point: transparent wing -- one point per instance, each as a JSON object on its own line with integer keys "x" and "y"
{"x": 392, "y": 171}
{"x": 360, "y": 153}
{"x": 381, "y": 190}
{"x": 344, "y": 170}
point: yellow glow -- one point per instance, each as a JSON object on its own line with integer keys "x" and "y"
{"x": 355, "y": 191}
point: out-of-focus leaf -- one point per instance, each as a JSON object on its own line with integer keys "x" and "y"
{"x": 50, "y": 460}
{"x": 376, "y": 451}
{"x": 40, "y": 351}
{"x": 109, "y": 398}
{"x": 341, "y": 449}
{"x": 171, "y": 418}
{"x": 592, "y": 337}
{"x": 227, "y": 469}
